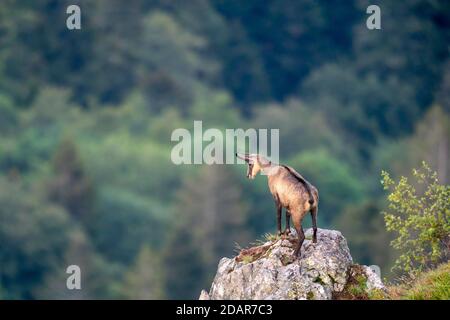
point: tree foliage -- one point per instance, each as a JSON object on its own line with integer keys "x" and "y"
{"x": 86, "y": 118}
{"x": 33, "y": 237}
{"x": 419, "y": 213}
{"x": 212, "y": 209}
{"x": 71, "y": 187}
{"x": 145, "y": 279}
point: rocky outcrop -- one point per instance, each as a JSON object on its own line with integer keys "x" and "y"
{"x": 269, "y": 270}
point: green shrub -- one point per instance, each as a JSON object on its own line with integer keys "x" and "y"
{"x": 420, "y": 218}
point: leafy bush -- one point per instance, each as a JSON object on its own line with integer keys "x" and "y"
{"x": 421, "y": 219}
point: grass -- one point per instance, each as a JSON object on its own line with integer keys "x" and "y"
{"x": 272, "y": 237}
{"x": 248, "y": 258}
{"x": 253, "y": 253}
{"x": 260, "y": 248}
{"x": 429, "y": 285}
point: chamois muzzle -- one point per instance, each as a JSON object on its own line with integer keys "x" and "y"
{"x": 246, "y": 158}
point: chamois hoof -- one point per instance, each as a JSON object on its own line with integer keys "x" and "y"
{"x": 285, "y": 235}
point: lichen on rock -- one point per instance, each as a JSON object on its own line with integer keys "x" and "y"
{"x": 269, "y": 271}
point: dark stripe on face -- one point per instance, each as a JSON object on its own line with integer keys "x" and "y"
{"x": 249, "y": 169}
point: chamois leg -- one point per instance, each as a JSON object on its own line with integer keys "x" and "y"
{"x": 314, "y": 223}
{"x": 300, "y": 234}
{"x": 287, "y": 230}
{"x": 279, "y": 209}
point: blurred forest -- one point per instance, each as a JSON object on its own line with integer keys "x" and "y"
{"x": 86, "y": 118}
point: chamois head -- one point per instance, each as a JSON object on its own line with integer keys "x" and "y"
{"x": 255, "y": 163}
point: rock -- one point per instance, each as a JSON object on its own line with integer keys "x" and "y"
{"x": 204, "y": 295}
{"x": 373, "y": 280}
{"x": 362, "y": 284}
{"x": 270, "y": 271}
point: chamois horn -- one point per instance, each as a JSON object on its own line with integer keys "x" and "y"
{"x": 243, "y": 156}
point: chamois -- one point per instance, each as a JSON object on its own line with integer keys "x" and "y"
{"x": 289, "y": 190}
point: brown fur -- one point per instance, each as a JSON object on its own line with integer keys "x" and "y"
{"x": 289, "y": 190}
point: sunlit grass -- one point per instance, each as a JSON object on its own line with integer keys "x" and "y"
{"x": 430, "y": 285}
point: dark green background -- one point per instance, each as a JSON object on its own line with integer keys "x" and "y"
{"x": 86, "y": 118}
